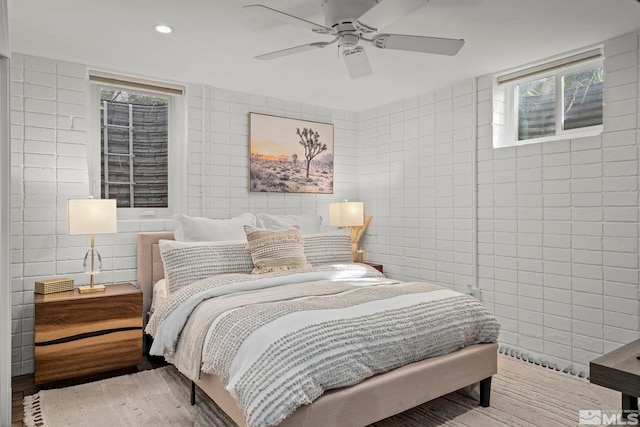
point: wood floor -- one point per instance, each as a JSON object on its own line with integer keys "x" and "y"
{"x": 24, "y": 385}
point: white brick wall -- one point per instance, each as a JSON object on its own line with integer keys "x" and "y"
{"x": 49, "y": 120}
{"x": 223, "y": 189}
{"x": 557, "y": 222}
{"x": 49, "y": 166}
{"x": 416, "y": 182}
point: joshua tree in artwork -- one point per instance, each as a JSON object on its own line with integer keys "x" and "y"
{"x": 310, "y": 140}
{"x": 294, "y": 157}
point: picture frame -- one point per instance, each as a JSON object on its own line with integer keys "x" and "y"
{"x": 289, "y": 155}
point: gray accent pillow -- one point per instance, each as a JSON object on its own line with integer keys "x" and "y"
{"x": 328, "y": 248}
{"x": 188, "y": 262}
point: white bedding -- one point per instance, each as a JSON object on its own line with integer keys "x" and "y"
{"x": 278, "y": 342}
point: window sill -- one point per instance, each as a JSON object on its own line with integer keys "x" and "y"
{"x": 140, "y": 214}
{"x": 503, "y": 142}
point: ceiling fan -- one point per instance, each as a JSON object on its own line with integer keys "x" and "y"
{"x": 350, "y": 21}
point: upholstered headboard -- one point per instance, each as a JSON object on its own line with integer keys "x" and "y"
{"x": 150, "y": 268}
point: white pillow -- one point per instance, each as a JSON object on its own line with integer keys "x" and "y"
{"x": 308, "y": 224}
{"x": 197, "y": 229}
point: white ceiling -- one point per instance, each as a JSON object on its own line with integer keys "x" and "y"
{"x": 215, "y": 40}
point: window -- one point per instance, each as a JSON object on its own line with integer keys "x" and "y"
{"x": 556, "y": 100}
{"x": 136, "y": 125}
{"x": 134, "y": 141}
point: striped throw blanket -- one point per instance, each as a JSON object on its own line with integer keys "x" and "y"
{"x": 279, "y": 342}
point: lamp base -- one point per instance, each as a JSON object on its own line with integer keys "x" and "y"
{"x": 89, "y": 288}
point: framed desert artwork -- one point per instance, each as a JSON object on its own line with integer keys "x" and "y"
{"x": 290, "y": 155}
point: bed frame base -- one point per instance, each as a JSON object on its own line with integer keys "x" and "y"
{"x": 485, "y": 392}
{"x": 382, "y": 395}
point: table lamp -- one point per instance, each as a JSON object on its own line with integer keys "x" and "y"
{"x": 92, "y": 216}
{"x": 350, "y": 214}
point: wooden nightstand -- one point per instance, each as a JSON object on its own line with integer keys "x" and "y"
{"x": 376, "y": 266}
{"x": 79, "y": 334}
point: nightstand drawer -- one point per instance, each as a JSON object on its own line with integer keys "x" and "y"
{"x": 80, "y": 334}
{"x": 88, "y": 355}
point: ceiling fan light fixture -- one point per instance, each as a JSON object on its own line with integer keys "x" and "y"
{"x": 357, "y": 62}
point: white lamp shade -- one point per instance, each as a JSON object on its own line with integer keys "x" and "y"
{"x": 92, "y": 216}
{"x": 346, "y": 214}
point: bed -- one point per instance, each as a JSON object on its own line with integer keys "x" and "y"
{"x": 366, "y": 402}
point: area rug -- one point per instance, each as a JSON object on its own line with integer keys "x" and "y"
{"x": 523, "y": 394}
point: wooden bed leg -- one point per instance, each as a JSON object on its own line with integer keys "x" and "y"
{"x": 485, "y": 392}
{"x": 193, "y": 393}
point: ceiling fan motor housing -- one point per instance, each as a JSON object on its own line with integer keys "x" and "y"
{"x": 348, "y": 41}
{"x": 345, "y": 10}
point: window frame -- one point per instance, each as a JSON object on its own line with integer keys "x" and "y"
{"x": 506, "y": 102}
{"x": 176, "y": 151}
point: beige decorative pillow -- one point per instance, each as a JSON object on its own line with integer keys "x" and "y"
{"x": 276, "y": 250}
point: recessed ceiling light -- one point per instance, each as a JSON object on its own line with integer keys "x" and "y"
{"x": 164, "y": 29}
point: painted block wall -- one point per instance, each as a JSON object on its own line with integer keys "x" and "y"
{"x": 557, "y": 223}
{"x": 557, "y": 226}
{"x": 50, "y": 123}
{"x": 218, "y": 176}
{"x": 416, "y": 182}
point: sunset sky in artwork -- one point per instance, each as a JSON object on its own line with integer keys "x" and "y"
{"x": 275, "y": 136}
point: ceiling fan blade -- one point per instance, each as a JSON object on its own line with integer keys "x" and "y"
{"x": 386, "y": 12}
{"x": 422, "y": 44}
{"x": 357, "y": 62}
{"x": 292, "y": 50}
{"x": 267, "y": 11}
